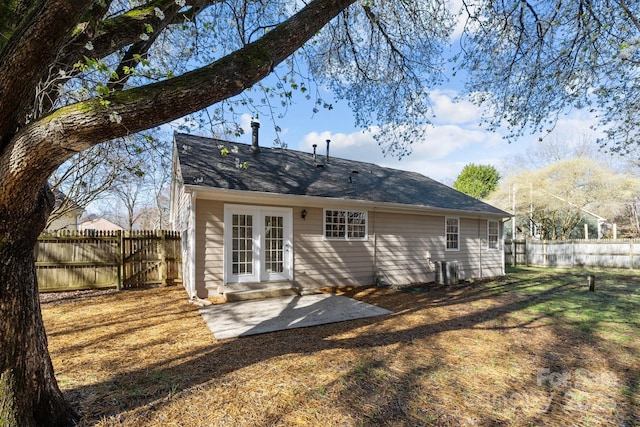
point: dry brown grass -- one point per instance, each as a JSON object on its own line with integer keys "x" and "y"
{"x": 464, "y": 355}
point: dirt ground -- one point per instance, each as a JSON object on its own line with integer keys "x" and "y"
{"x": 466, "y": 355}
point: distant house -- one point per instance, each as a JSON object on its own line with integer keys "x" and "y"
{"x": 94, "y": 222}
{"x": 66, "y": 213}
{"x": 253, "y": 217}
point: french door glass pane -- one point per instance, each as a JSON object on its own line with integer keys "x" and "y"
{"x": 274, "y": 244}
{"x": 242, "y": 244}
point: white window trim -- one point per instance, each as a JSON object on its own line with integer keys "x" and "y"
{"x": 457, "y": 248}
{"x": 497, "y": 248}
{"x": 346, "y": 231}
{"x": 258, "y": 212}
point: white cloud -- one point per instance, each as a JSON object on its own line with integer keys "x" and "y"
{"x": 448, "y": 110}
{"x": 350, "y": 146}
{"x": 455, "y": 139}
{"x": 440, "y": 156}
{"x": 444, "y": 140}
{"x": 245, "y": 123}
{"x": 455, "y": 6}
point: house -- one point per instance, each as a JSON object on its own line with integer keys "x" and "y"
{"x": 65, "y": 214}
{"x": 94, "y": 222}
{"x": 253, "y": 217}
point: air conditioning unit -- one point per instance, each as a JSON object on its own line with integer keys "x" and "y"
{"x": 447, "y": 272}
{"x": 451, "y": 278}
{"x": 440, "y": 272}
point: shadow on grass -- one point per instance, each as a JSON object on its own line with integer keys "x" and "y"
{"x": 525, "y": 300}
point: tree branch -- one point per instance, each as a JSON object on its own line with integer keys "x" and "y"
{"x": 26, "y": 58}
{"x": 43, "y": 145}
{"x": 124, "y": 30}
{"x": 632, "y": 17}
{"x": 375, "y": 22}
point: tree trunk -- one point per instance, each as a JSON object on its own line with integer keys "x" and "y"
{"x": 29, "y": 393}
{"x": 31, "y": 148}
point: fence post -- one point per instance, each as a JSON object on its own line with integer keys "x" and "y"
{"x": 120, "y": 259}
{"x": 162, "y": 255}
{"x": 123, "y": 243}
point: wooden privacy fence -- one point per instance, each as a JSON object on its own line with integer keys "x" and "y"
{"x": 604, "y": 253}
{"x": 72, "y": 260}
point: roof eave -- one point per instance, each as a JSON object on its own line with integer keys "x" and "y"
{"x": 255, "y": 197}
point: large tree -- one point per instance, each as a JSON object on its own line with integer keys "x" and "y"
{"x": 477, "y": 180}
{"x": 76, "y": 73}
{"x": 555, "y": 201}
{"x": 532, "y": 60}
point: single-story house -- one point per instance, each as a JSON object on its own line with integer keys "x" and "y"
{"x": 252, "y": 217}
{"x": 98, "y": 223}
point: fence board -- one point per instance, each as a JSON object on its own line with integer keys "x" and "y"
{"x": 96, "y": 259}
{"x": 574, "y": 253}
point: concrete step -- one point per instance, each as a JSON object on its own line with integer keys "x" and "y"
{"x": 267, "y": 291}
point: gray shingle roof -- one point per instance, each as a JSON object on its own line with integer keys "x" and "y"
{"x": 279, "y": 171}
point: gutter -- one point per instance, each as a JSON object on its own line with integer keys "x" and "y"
{"x": 256, "y": 197}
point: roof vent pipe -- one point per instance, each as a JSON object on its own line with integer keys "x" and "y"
{"x": 314, "y": 151}
{"x": 255, "y": 147}
{"x": 328, "y": 142}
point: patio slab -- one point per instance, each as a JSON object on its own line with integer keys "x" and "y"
{"x": 275, "y": 314}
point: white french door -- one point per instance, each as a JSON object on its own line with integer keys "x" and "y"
{"x": 258, "y": 244}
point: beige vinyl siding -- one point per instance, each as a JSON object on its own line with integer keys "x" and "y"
{"x": 402, "y": 248}
{"x": 409, "y": 245}
{"x": 469, "y": 255}
{"x": 492, "y": 259}
{"x": 319, "y": 262}
{"x": 474, "y": 258}
{"x": 180, "y": 199}
{"x": 181, "y": 209}
{"x": 209, "y": 246}
{"x": 180, "y": 212}
{"x": 406, "y": 246}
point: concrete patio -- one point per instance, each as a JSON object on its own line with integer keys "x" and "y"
{"x": 275, "y": 314}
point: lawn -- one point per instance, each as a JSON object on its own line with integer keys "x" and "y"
{"x": 532, "y": 348}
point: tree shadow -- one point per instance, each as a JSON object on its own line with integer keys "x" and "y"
{"x": 500, "y": 307}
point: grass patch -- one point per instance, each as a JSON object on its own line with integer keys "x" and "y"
{"x": 532, "y": 348}
{"x": 564, "y": 295}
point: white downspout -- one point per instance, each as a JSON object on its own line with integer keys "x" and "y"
{"x": 191, "y": 287}
{"x": 376, "y": 273}
{"x": 481, "y": 243}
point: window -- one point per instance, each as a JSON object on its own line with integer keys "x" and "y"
{"x": 242, "y": 244}
{"x": 452, "y": 233}
{"x": 345, "y": 225}
{"x": 493, "y": 230}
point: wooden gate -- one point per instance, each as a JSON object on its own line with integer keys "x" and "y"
{"x": 150, "y": 257}
{"x": 70, "y": 260}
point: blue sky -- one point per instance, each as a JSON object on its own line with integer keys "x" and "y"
{"x": 455, "y": 139}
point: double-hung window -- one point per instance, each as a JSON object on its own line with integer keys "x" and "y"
{"x": 493, "y": 231}
{"x": 345, "y": 225}
{"x": 452, "y": 234}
